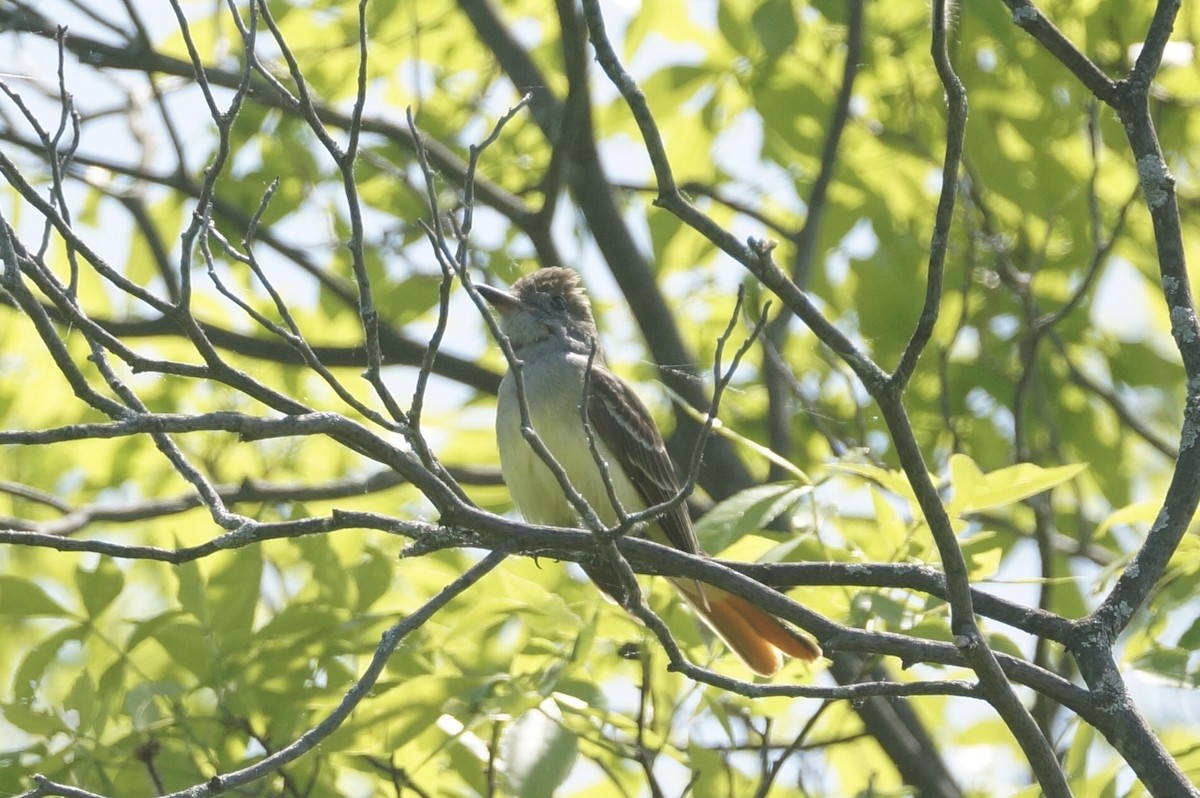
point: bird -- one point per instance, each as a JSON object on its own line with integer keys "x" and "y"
{"x": 547, "y": 318}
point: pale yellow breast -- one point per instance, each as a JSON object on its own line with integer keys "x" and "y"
{"x": 555, "y": 389}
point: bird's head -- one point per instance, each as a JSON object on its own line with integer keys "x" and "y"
{"x": 547, "y": 303}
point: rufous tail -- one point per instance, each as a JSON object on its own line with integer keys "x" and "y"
{"x": 753, "y": 634}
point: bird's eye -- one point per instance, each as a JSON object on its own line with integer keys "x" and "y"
{"x": 558, "y": 303}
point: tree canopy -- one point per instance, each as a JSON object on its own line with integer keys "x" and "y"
{"x": 906, "y": 288}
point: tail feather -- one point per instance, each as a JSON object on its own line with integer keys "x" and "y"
{"x": 753, "y": 634}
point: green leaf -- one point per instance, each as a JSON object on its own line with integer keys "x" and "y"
{"x": 1004, "y": 644}
{"x": 142, "y": 702}
{"x": 733, "y": 29}
{"x": 372, "y": 577}
{"x": 100, "y": 587}
{"x": 21, "y": 598}
{"x": 932, "y": 628}
{"x": 1129, "y": 515}
{"x": 747, "y": 511}
{"x": 774, "y": 23}
{"x": 82, "y": 701}
{"x": 165, "y": 218}
{"x": 31, "y": 719}
{"x": 883, "y": 539}
{"x": 302, "y": 622}
{"x": 975, "y": 491}
{"x": 1190, "y": 639}
{"x": 407, "y": 299}
{"x": 983, "y": 552}
{"x": 892, "y": 481}
{"x": 109, "y": 694}
{"x": 669, "y": 18}
{"x": 233, "y": 590}
{"x": 1169, "y": 663}
{"x": 537, "y": 753}
{"x": 1077, "y": 754}
{"x": 37, "y": 663}
{"x": 873, "y": 607}
{"x": 191, "y": 592}
{"x": 146, "y": 629}
{"x": 892, "y": 527}
{"x": 188, "y": 644}
{"x": 411, "y": 710}
{"x": 703, "y": 759}
{"x": 333, "y": 584}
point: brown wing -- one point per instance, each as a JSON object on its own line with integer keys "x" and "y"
{"x": 625, "y": 425}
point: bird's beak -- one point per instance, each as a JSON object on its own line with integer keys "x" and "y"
{"x": 501, "y": 300}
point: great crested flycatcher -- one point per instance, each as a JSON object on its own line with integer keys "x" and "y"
{"x": 548, "y": 322}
